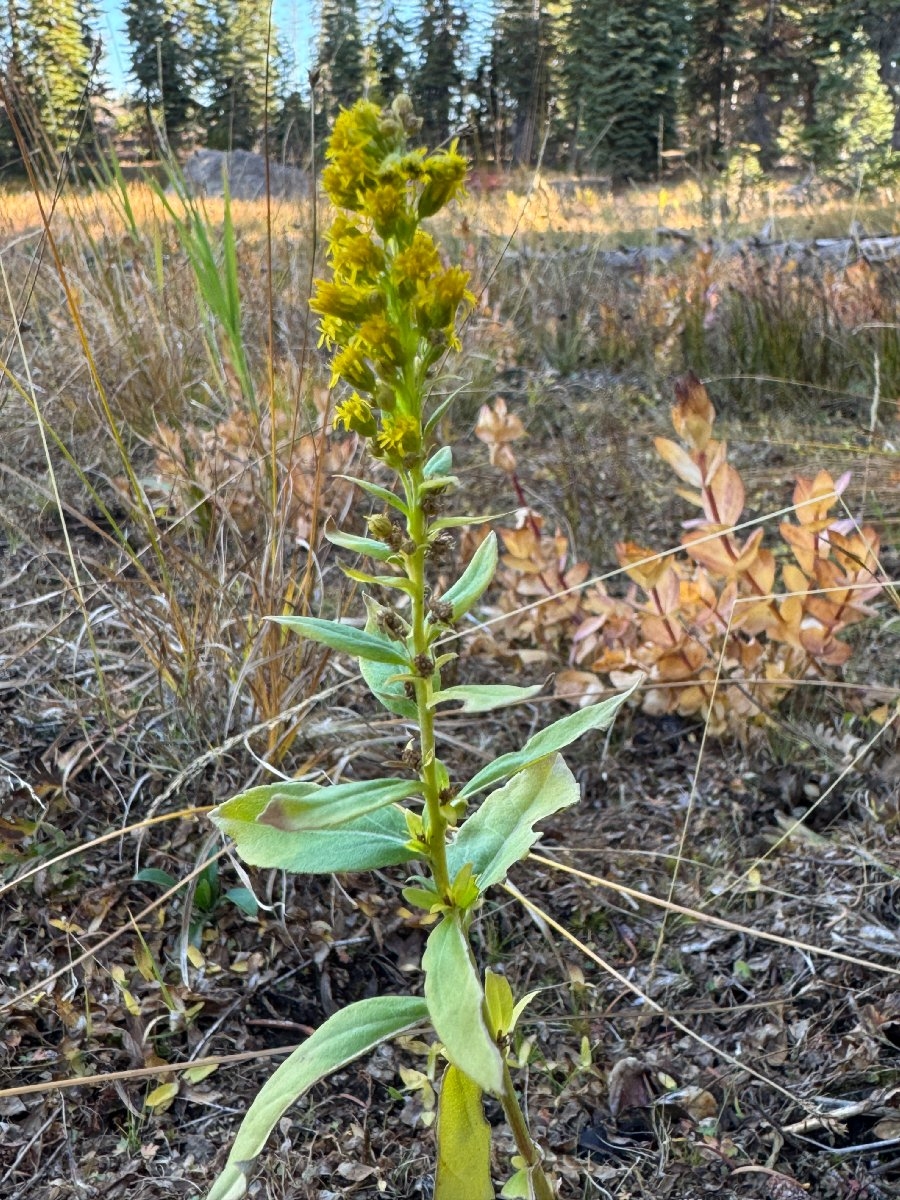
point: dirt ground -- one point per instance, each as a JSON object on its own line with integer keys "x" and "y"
{"x": 753, "y": 1066}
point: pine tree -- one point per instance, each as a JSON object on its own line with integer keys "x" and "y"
{"x": 521, "y": 53}
{"x": 716, "y": 60}
{"x": 438, "y": 81}
{"x": 13, "y": 89}
{"x": 622, "y": 73}
{"x": 236, "y": 37}
{"x": 341, "y": 61}
{"x": 162, "y": 64}
{"x": 289, "y": 128}
{"x": 48, "y": 50}
{"x": 781, "y": 71}
{"x": 390, "y": 49}
{"x": 878, "y": 21}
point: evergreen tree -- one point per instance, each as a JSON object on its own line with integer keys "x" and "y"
{"x": 521, "y": 54}
{"x": 162, "y": 64}
{"x": 878, "y": 21}
{"x": 438, "y": 81}
{"x": 716, "y": 60}
{"x": 390, "y": 47}
{"x": 11, "y": 76}
{"x": 289, "y": 129}
{"x": 236, "y": 34}
{"x": 782, "y": 72}
{"x": 622, "y": 72}
{"x": 51, "y": 49}
{"x": 340, "y": 59}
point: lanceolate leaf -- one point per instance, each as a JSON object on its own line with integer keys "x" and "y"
{"x": 483, "y": 697}
{"x": 375, "y": 840}
{"x": 347, "y": 638}
{"x": 501, "y": 830}
{"x": 463, "y": 1141}
{"x": 555, "y": 737}
{"x": 380, "y": 493}
{"x": 346, "y": 1035}
{"x": 456, "y": 522}
{"x": 361, "y": 545}
{"x": 455, "y": 999}
{"x": 385, "y": 581}
{"x": 475, "y": 579}
{"x": 326, "y": 807}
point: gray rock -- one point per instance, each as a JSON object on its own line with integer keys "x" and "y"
{"x": 205, "y": 170}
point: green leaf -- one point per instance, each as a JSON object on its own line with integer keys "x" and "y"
{"x": 439, "y": 464}
{"x": 378, "y": 492}
{"x": 244, "y": 899}
{"x": 375, "y": 840}
{"x": 432, "y": 422}
{"x": 501, "y": 830}
{"x": 389, "y": 581}
{"x": 463, "y": 1141}
{"x": 291, "y": 808}
{"x": 361, "y": 545}
{"x": 483, "y": 697}
{"x": 518, "y": 1186}
{"x": 456, "y": 522}
{"x": 499, "y": 1003}
{"x": 455, "y": 999}
{"x": 346, "y": 1035}
{"x": 439, "y": 483}
{"x": 204, "y": 895}
{"x": 155, "y": 875}
{"x": 347, "y": 638}
{"x": 388, "y": 691}
{"x": 475, "y": 579}
{"x": 520, "y": 1008}
{"x": 556, "y": 736}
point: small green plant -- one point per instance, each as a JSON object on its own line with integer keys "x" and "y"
{"x": 207, "y": 896}
{"x": 390, "y": 313}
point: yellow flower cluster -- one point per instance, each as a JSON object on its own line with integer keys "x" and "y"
{"x": 391, "y": 307}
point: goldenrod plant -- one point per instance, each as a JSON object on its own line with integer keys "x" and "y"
{"x": 389, "y": 313}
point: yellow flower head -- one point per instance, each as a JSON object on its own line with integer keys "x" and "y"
{"x": 445, "y": 173}
{"x": 356, "y": 416}
{"x": 355, "y": 153}
{"x": 380, "y": 339}
{"x": 335, "y": 332}
{"x": 386, "y": 207}
{"x": 417, "y": 263}
{"x": 343, "y": 300}
{"x": 390, "y": 307}
{"x": 357, "y": 256}
{"x": 354, "y": 127}
{"x": 351, "y": 365}
{"x": 440, "y": 297}
{"x": 400, "y": 435}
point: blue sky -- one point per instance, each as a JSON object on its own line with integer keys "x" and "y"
{"x": 294, "y": 18}
{"x": 296, "y": 21}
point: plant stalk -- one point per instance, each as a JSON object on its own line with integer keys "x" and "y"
{"x": 541, "y": 1185}
{"x": 435, "y": 821}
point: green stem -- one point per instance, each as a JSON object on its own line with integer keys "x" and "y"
{"x": 435, "y": 821}
{"x": 541, "y": 1185}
